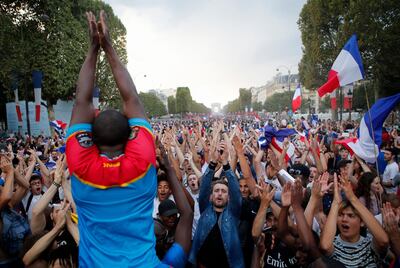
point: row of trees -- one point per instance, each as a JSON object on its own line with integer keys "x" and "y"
{"x": 325, "y": 27}
{"x": 278, "y": 101}
{"x": 52, "y": 36}
{"x": 182, "y": 102}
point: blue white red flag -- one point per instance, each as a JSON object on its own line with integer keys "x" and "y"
{"x": 346, "y": 69}
{"x": 370, "y": 131}
{"x": 58, "y": 126}
{"x": 296, "y": 102}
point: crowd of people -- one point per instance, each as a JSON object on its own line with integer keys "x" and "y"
{"x": 120, "y": 191}
{"x": 216, "y": 177}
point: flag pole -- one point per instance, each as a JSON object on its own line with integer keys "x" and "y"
{"x": 372, "y": 129}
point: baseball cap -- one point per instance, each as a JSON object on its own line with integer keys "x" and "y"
{"x": 299, "y": 169}
{"x": 167, "y": 208}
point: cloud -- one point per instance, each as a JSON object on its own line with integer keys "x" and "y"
{"x": 213, "y": 47}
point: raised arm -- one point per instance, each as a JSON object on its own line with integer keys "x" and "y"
{"x": 184, "y": 228}
{"x": 303, "y": 228}
{"x": 329, "y": 231}
{"x": 283, "y": 226}
{"x": 266, "y": 197}
{"x": 47, "y": 239}
{"x": 132, "y": 107}
{"x": 38, "y": 220}
{"x": 244, "y": 165}
{"x": 7, "y": 191}
{"x": 381, "y": 239}
{"x": 83, "y": 110}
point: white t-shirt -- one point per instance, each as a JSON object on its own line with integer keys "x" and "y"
{"x": 390, "y": 172}
{"x": 196, "y": 212}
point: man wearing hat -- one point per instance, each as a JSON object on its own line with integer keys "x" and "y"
{"x": 164, "y": 226}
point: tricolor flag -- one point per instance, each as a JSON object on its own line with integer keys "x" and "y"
{"x": 296, "y": 102}
{"x": 346, "y": 69}
{"x": 333, "y": 100}
{"x": 58, "y": 126}
{"x": 370, "y": 130}
{"x": 275, "y": 138}
{"x": 37, "y": 87}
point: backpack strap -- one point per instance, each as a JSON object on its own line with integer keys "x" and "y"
{"x": 28, "y": 204}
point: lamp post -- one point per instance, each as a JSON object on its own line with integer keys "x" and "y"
{"x": 289, "y": 72}
{"x": 23, "y": 71}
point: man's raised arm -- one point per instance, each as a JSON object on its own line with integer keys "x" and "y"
{"x": 83, "y": 111}
{"x": 132, "y": 107}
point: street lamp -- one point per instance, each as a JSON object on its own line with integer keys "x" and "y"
{"x": 289, "y": 72}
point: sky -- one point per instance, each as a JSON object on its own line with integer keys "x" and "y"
{"x": 214, "y": 47}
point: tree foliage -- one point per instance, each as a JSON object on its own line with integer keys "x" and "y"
{"x": 257, "y": 106}
{"x": 183, "y": 100}
{"x": 325, "y": 27}
{"x": 171, "y": 103}
{"x": 51, "y": 36}
{"x": 244, "y": 98}
{"x": 232, "y": 106}
{"x": 152, "y": 104}
{"x": 196, "y": 107}
{"x": 278, "y": 101}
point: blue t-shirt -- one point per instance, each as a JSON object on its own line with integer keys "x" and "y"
{"x": 114, "y": 198}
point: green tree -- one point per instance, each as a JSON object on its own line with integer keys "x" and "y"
{"x": 257, "y": 106}
{"x": 244, "y": 98}
{"x": 278, "y": 101}
{"x": 325, "y": 27}
{"x": 171, "y": 103}
{"x": 152, "y": 104}
{"x": 199, "y": 108}
{"x": 51, "y": 36}
{"x": 183, "y": 100}
{"x": 232, "y": 106}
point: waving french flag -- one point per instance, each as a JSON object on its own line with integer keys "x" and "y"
{"x": 58, "y": 126}
{"x": 346, "y": 69}
{"x": 275, "y": 138}
{"x": 370, "y": 131}
{"x": 296, "y": 102}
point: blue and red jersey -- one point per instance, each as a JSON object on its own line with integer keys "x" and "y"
{"x": 114, "y": 198}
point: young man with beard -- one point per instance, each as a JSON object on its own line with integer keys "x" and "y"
{"x": 349, "y": 216}
{"x": 216, "y": 242}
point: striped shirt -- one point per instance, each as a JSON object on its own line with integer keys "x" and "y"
{"x": 354, "y": 255}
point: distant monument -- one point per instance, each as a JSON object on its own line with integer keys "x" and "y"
{"x": 216, "y": 107}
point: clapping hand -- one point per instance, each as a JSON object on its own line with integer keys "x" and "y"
{"x": 93, "y": 32}
{"x": 286, "y": 196}
{"x": 104, "y": 35}
{"x": 297, "y": 194}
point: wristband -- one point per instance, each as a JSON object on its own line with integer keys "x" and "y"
{"x": 56, "y": 184}
{"x": 226, "y": 167}
{"x": 212, "y": 165}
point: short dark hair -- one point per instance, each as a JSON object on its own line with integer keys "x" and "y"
{"x": 110, "y": 128}
{"x": 343, "y": 163}
{"x": 219, "y": 181}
